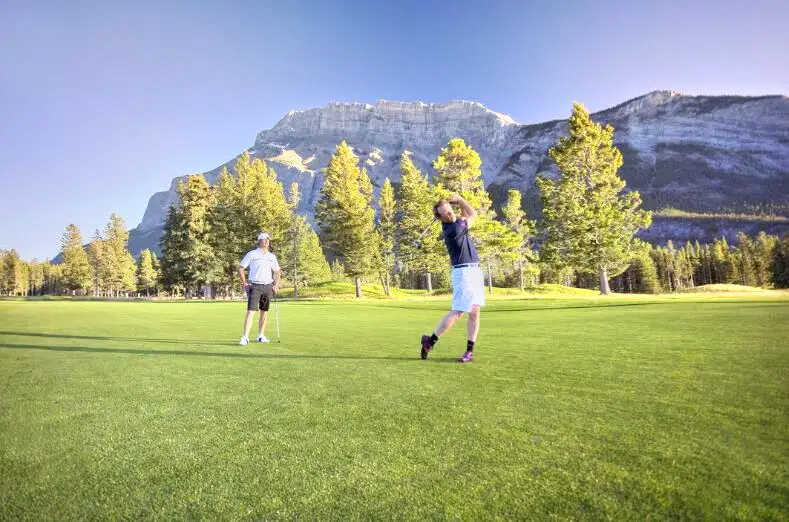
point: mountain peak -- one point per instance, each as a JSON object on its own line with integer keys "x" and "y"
{"x": 337, "y": 120}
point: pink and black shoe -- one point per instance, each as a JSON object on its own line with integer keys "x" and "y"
{"x": 426, "y": 346}
{"x": 467, "y": 358}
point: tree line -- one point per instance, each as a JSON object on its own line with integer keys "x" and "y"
{"x": 585, "y": 237}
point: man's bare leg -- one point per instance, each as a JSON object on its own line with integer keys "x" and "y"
{"x": 446, "y": 324}
{"x": 473, "y": 323}
{"x": 262, "y": 322}
{"x": 248, "y": 322}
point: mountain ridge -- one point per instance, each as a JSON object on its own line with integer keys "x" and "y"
{"x": 696, "y": 153}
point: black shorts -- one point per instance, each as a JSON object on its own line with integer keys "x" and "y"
{"x": 260, "y": 297}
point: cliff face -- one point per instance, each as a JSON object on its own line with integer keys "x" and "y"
{"x": 697, "y": 153}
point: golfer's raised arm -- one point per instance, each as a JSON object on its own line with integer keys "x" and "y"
{"x": 468, "y": 212}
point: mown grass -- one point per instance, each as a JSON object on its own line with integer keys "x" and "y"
{"x": 577, "y": 408}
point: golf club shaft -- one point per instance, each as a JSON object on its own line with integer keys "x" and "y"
{"x": 276, "y": 317}
{"x": 427, "y": 229}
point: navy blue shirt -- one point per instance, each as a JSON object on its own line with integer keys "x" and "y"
{"x": 459, "y": 245}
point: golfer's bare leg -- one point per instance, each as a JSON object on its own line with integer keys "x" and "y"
{"x": 262, "y": 322}
{"x": 248, "y": 322}
{"x": 447, "y": 322}
{"x": 473, "y": 323}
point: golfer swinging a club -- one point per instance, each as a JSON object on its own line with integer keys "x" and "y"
{"x": 264, "y": 274}
{"x": 468, "y": 285}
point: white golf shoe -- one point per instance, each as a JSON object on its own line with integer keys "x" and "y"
{"x": 244, "y": 341}
{"x": 262, "y": 338}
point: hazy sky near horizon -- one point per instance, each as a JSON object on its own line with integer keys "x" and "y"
{"x": 103, "y": 103}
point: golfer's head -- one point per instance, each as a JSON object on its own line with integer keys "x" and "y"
{"x": 264, "y": 240}
{"x": 443, "y": 211}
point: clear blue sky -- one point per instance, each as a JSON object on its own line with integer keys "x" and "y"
{"x": 103, "y": 103}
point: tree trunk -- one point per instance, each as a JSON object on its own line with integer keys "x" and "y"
{"x": 358, "y": 281}
{"x": 520, "y": 274}
{"x": 490, "y": 279}
{"x": 429, "y": 282}
{"x": 604, "y": 288}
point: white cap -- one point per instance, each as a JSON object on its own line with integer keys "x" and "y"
{"x": 263, "y": 235}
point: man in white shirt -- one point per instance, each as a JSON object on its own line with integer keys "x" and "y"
{"x": 264, "y": 274}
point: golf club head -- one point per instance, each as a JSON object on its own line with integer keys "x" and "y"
{"x": 418, "y": 244}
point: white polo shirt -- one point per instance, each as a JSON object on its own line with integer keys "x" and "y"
{"x": 262, "y": 266}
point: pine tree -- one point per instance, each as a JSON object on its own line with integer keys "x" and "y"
{"x": 459, "y": 170}
{"x": 414, "y": 204}
{"x": 346, "y": 216}
{"x": 645, "y": 274}
{"x": 146, "y": 275}
{"x": 53, "y": 278}
{"x": 36, "y": 277}
{"x": 3, "y": 272}
{"x": 157, "y": 272}
{"x": 522, "y": 228}
{"x": 290, "y": 262}
{"x": 120, "y": 263}
{"x": 764, "y": 247}
{"x": 189, "y": 260}
{"x": 780, "y": 264}
{"x": 725, "y": 270}
{"x": 744, "y": 258}
{"x": 99, "y": 264}
{"x": 386, "y": 232}
{"x": 338, "y": 271}
{"x": 15, "y": 274}
{"x": 587, "y": 218}
{"x": 250, "y": 202}
{"x": 76, "y": 270}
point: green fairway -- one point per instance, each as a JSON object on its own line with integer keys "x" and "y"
{"x": 575, "y": 408}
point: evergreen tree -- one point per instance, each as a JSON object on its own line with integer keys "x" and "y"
{"x": 386, "y": 232}
{"x": 522, "y": 228}
{"x": 744, "y": 258}
{"x": 459, "y": 170}
{"x": 302, "y": 260}
{"x": 414, "y": 204}
{"x": 725, "y": 270}
{"x": 587, "y": 219}
{"x": 764, "y": 247}
{"x": 709, "y": 273}
{"x": 76, "y": 270}
{"x": 119, "y": 261}
{"x": 14, "y": 274}
{"x": 338, "y": 271}
{"x": 146, "y": 274}
{"x": 780, "y": 264}
{"x": 189, "y": 261}
{"x": 250, "y": 202}
{"x": 645, "y": 273}
{"x": 346, "y": 216}
{"x": 99, "y": 265}
{"x": 53, "y": 278}
{"x": 157, "y": 272}
{"x": 3, "y": 272}
{"x": 36, "y": 277}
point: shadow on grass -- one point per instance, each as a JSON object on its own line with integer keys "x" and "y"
{"x": 113, "y": 338}
{"x": 132, "y": 351}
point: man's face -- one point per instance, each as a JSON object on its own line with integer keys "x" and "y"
{"x": 263, "y": 244}
{"x": 446, "y": 214}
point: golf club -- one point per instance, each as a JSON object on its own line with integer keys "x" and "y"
{"x": 276, "y": 317}
{"x": 418, "y": 242}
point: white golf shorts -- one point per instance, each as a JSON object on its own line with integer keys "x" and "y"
{"x": 468, "y": 288}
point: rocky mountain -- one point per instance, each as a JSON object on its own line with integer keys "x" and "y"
{"x": 709, "y": 154}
